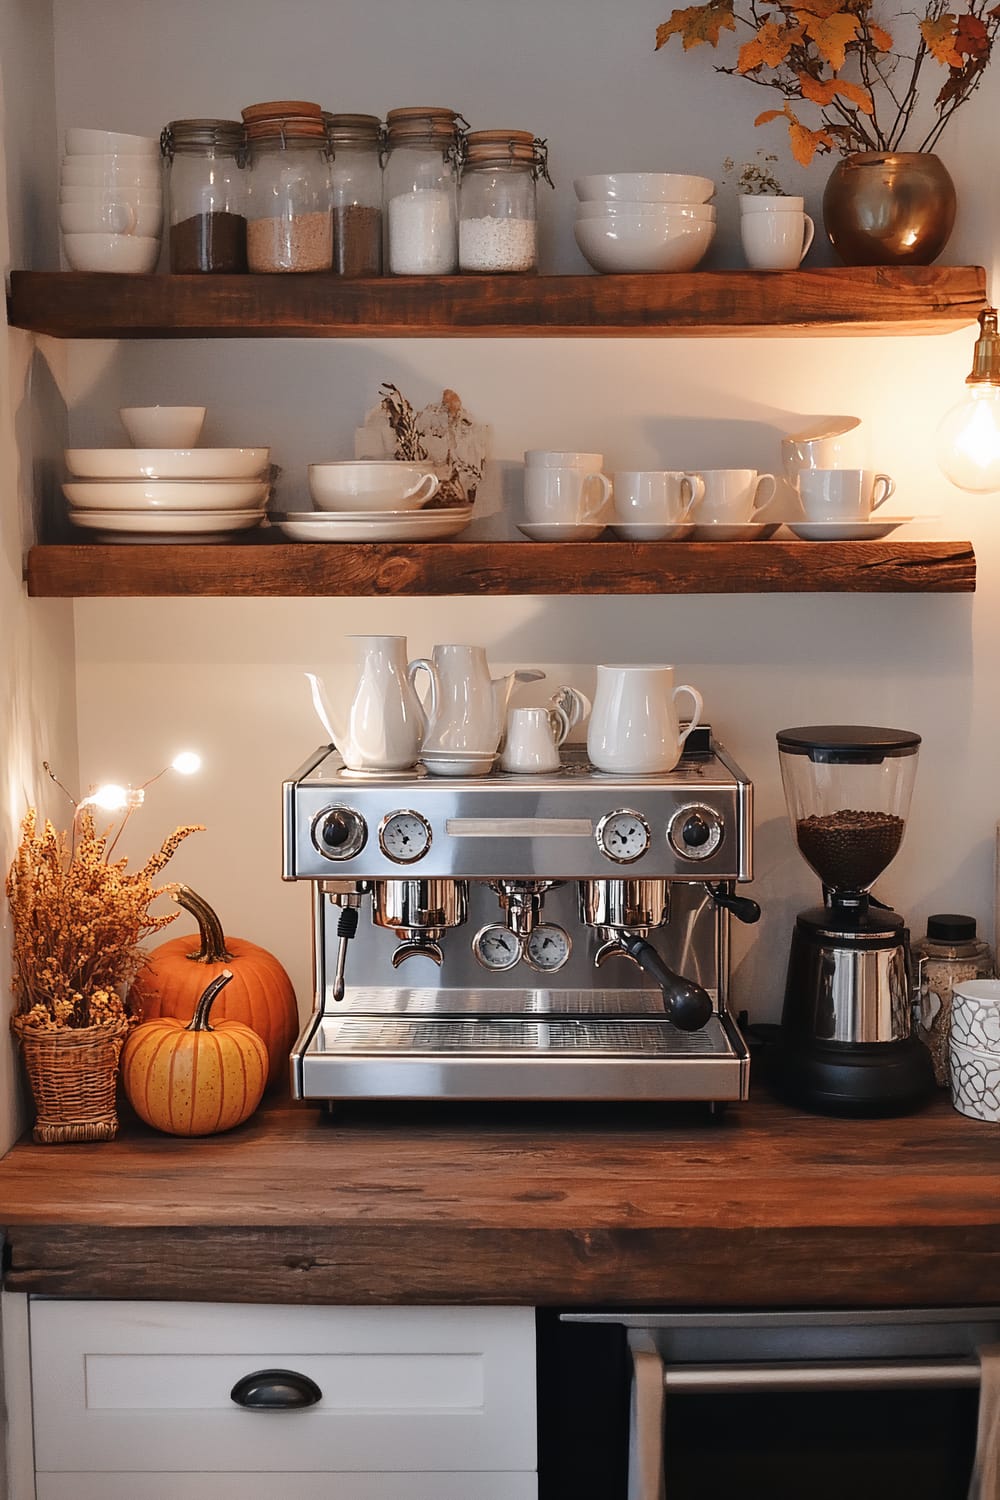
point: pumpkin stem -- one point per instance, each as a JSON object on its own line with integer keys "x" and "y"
{"x": 199, "y": 1021}
{"x": 213, "y": 942}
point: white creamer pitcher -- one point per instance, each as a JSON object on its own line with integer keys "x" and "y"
{"x": 634, "y": 729}
{"x": 380, "y": 724}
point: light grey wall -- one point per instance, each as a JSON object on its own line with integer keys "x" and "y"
{"x": 227, "y": 674}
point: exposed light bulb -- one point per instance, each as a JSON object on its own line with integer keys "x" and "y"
{"x": 109, "y": 798}
{"x": 187, "y": 762}
{"x": 968, "y": 439}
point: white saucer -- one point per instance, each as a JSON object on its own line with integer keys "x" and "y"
{"x": 403, "y": 526}
{"x": 746, "y": 531}
{"x": 652, "y": 531}
{"x": 561, "y": 531}
{"x": 849, "y": 531}
{"x": 459, "y": 763}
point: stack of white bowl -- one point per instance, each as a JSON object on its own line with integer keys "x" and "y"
{"x": 644, "y": 221}
{"x": 162, "y": 494}
{"x": 111, "y": 201}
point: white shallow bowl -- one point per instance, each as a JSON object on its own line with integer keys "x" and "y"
{"x": 140, "y": 525}
{"x": 653, "y": 213}
{"x": 163, "y": 426}
{"x": 677, "y": 245}
{"x": 111, "y": 216}
{"x": 91, "y": 171}
{"x": 166, "y": 494}
{"x": 371, "y": 485}
{"x": 444, "y": 763}
{"x": 645, "y": 187}
{"x": 406, "y": 526}
{"x": 129, "y": 254}
{"x": 167, "y": 463}
{"x": 81, "y": 141}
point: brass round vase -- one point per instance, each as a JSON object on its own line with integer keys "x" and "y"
{"x": 889, "y": 208}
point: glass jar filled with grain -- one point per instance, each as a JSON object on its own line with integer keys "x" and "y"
{"x": 356, "y": 185}
{"x": 206, "y": 187}
{"x": 289, "y": 224}
{"x": 423, "y": 157}
{"x": 497, "y": 221}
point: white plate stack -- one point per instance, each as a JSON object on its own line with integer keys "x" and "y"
{"x": 167, "y": 494}
{"x": 111, "y": 201}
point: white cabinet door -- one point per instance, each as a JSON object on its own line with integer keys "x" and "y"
{"x": 144, "y": 1388}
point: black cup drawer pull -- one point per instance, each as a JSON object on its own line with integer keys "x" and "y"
{"x": 275, "y": 1390}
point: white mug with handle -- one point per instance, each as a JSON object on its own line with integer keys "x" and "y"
{"x": 776, "y": 241}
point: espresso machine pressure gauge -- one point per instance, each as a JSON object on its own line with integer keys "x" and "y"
{"x": 496, "y": 947}
{"x": 623, "y": 836}
{"x": 547, "y": 947}
{"x": 404, "y": 837}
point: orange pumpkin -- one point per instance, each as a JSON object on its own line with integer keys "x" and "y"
{"x": 197, "y": 1079}
{"x": 261, "y": 995}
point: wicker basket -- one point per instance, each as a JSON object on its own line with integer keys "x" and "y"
{"x": 73, "y": 1073}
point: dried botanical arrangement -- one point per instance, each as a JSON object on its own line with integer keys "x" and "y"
{"x": 79, "y": 918}
{"x": 755, "y": 177}
{"x": 441, "y": 434}
{"x": 842, "y": 57}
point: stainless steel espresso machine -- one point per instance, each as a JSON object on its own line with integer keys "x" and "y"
{"x": 556, "y": 936}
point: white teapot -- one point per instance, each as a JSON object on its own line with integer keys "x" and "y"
{"x": 471, "y": 706}
{"x": 382, "y": 723}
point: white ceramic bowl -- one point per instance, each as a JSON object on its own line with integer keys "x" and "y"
{"x": 645, "y": 187}
{"x": 111, "y": 216}
{"x": 167, "y": 463}
{"x": 163, "y": 426}
{"x": 85, "y": 171}
{"x": 144, "y": 197}
{"x": 127, "y": 253}
{"x": 652, "y": 212}
{"x": 371, "y": 485}
{"x": 83, "y": 142}
{"x": 672, "y": 245}
{"x": 166, "y": 494}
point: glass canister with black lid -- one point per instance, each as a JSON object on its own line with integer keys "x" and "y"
{"x": 206, "y": 186}
{"x": 497, "y": 222}
{"x": 356, "y": 192}
{"x": 949, "y": 953}
{"x": 422, "y": 164}
{"x": 289, "y": 225}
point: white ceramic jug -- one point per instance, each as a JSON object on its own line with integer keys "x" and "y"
{"x": 634, "y": 729}
{"x": 382, "y": 724}
{"x": 471, "y": 706}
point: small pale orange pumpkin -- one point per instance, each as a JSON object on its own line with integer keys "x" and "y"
{"x": 196, "y": 1079}
{"x": 261, "y": 995}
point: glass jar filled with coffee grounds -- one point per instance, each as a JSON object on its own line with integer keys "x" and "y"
{"x": 423, "y": 154}
{"x": 289, "y": 227}
{"x": 206, "y": 187}
{"x": 497, "y": 201}
{"x": 356, "y": 187}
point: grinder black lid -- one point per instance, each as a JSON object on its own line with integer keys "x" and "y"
{"x": 847, "y": 744}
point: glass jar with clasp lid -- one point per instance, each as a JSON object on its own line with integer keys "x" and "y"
{"x": 423, "y": 157}
{"x": 289, "y": 225}
{"x": 356, "y": 188}
{"x": 206, "y": 187}
{"x": 497, "y": 223}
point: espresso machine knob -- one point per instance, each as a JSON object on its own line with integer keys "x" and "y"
{"x": 695, "y": 832}
{"x": 339, "y": 832}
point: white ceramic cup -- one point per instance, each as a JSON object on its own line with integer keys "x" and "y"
{"x": 634, "y": 729}
{"x": 655, "y": 496}
{"x": 842, "y": 494}
{"x": 733, "y": 497}
{"x": 548, "y": 458}
{"x": 371, "y": 485}
{"x": 836, "y": 443}
{"x": 776, "y": 241}
{"x": 770, "y": 203}
{"x": 565, "y": 496}
{"x": 533, "y": 739}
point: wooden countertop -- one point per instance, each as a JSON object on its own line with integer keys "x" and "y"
{"x": 613, "y": 1205}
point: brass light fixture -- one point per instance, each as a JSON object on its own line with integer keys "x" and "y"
{"x": 969, "y": 435}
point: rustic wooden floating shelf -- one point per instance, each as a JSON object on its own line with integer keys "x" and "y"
{"x": 288, "y": 569}
{"x": 831, "y": 299}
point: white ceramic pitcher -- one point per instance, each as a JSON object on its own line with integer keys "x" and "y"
{"x": 634, "y": 729}
{"x": 381, "y": 725}
{"x": 471, "y": 706}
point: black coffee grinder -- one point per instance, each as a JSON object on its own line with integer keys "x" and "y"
{"x": 846, "y": 1043}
